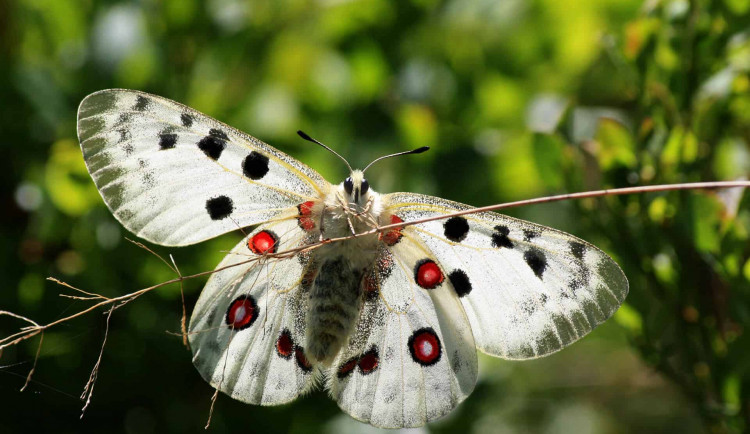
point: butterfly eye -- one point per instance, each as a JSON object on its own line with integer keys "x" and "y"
{"x": 348, "y": 185}
{"x": 364, "y": 187}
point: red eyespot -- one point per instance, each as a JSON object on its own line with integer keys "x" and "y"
{"x": 424, "y": 347}
{"x": 347, "y": 367}
{"x": 370, "y": 283}
{"x": 263, "y": 242}
{"x": 242, "y": 313}
{"x": 369, "y": 361}
{"x": 427, "y": 274}
{"x": 302, "y": 362}
{"x": 394, "y": 235}
{"x": 305, "y": 210}
{"x": 285, "y": 345}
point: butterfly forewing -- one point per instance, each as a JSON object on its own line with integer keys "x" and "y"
{"x": 174, "y": 176}
{"x": 412, "y": 358}
{"x": 528, "y": 290}
{"x": 247, "y": 330}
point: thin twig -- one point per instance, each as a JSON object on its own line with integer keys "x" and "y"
{"x": 67, "y": 285}
{"x": 183, "y": 321}
{"x": 36, "y": 359}
{"x": 211, "y": 409}
{"x": 144, "y": 247}
{"x": 88, "y": 389}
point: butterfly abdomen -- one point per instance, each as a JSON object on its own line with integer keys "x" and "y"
{"x": 334, "y": 305}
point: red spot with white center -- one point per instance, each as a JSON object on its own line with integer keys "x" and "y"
{"x": 347, "y": 367}
{"x": 305, "y": 220}
{"x": 285, "y": 345}
{"x": 369, "y": 361}
{"x": 242, "y": 313}
{"x": 302, "y": 362}
{"x": 424, "y": 347}
{"x": 263, "y": 242}
{"x": 427, "y": 274}
{"x": 394, "y": 235}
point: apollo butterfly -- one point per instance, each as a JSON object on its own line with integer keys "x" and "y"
{"x": 390, "y": 320}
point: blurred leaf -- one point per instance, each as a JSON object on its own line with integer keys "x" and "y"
{"x": 616, "y": 145}
{"x": 500, "y": 99}
{"x": 67, "y": 180}
{"x": 417, "y": 125}
{"x": 548, "y": 156}
{"x": 629, "y": 318}
{"x": 705, "y": 213}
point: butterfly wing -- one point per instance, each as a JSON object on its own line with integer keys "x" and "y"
{"x": 247, "y": 331}
{"x": 528, "y": 290}
{"x": 412, "y": 358}
{"x": 175, "y": 176}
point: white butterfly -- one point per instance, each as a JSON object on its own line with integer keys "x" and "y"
{"x": 390, "y": 321}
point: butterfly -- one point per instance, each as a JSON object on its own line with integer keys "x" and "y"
{"x": 390, "y": 321}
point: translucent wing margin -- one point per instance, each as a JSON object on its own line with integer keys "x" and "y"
{"x": 412, "y": 358}
{"x": 175, "y": 176}
{"x": 247, "y": 331}
{"x": 528, "y": 290}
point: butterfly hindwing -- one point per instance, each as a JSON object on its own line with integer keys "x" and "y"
{"x": 175, "y": 176}
{"x": 247, "y": 331}
{"x": 528, "y": 290}
{"x": 412, "y": 358}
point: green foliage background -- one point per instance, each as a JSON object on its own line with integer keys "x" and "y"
{"x": 517, "y": 98}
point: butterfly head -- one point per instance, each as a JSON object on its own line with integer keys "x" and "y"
{"x": 356, "y": 188}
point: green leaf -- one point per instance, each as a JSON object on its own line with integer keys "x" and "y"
{"x": 548, "y": 157}
{"x": 616, "y": 145}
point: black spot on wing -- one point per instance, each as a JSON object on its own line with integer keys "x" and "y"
{"x": 460, "y": 282}
{"x": 212, "y": 146}
{"x": 456, "y": 229}
{"x": 536, "y": 260}
{"x": 528, "y": 234}
{"x": 125, "y": 141}
{"x": 124, "y": 135}
{"x": 214, "y": 132}
{"x": 582, "y": 276}
{"x": 219, "y": 207}
{"x": 528, "y": 307}
{"x": 500, "y": 237}
{"x": 124, "y": 118}
{"x": 255, "y": 166}
{"x": 187, "y": 120}
{"x": 141, "y": 103}
{"x": 578, "y": 249}
{"x": 167, "y": 140}
{"x": 580, "y": 280}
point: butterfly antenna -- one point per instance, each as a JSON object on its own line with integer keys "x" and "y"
{"x": 310, "y": 139}
{"x": 413, "y": 151}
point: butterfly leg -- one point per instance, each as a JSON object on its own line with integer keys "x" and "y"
{"x": 348, "y": 211}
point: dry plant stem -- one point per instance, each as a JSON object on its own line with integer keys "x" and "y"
{"x": 211, "y": 410}
{"x": 36, "y": 359}
{"x": 183, "y": 320}
{"x": 88, "y": 389}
